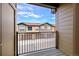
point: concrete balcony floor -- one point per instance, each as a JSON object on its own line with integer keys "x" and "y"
{"x": 45, "y": 52}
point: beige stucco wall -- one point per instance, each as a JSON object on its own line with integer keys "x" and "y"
{"x": 7, "y": 30}
{"x": 0, "y": 29}
{"x": 26, "y": 28}
{"x": 46, "y": 27}
{"x": 53, "y": 29}
{"x": 64, "y": 18}
{"x": 33, "y": 29}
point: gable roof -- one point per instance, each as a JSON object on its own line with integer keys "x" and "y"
{"x": 48, "y": 24}
{"x": 21, "y": 23}
{"x": 30, "y": 24}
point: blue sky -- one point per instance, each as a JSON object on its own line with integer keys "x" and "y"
{"x": 33, "y": 13}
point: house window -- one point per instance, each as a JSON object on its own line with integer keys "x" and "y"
{"x": 29, "y": 28}
{"x": 37, "y": 28}
{"x": 42, "y": 27}
{"x": 49, "y": 27}
{"x": 21, "y": 27}
{"x": 49, "y": 30}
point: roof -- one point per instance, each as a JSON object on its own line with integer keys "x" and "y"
{"x": 48, "y": 24}
{"x": 34, "y": 24}
{"x": 30, "y": 24}
{"x": 21, "y": 23}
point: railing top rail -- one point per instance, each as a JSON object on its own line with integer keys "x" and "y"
{"x": 33, "y": 32}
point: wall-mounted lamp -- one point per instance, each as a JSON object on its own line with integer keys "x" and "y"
{"x": 53, "y": 11}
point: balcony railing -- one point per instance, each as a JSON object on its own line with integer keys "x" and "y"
{"x": 33, "y": 41}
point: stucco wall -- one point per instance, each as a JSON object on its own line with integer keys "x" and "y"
{"x": 26, "y": 28}
{"x": 64, "y": 18}
{"x": 53, "y": 29}
{"x": 46, "y": 27}
{"x": 33, "y": 29}
{"x": 7, "y": 30}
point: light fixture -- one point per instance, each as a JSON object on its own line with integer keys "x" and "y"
{"x": 53, "y": 11}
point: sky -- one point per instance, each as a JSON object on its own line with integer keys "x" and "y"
{"x": 34, "y": 13}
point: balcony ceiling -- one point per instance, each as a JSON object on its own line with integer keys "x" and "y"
{"x": 49, "y": 5}
{"x": 52, "y": 4}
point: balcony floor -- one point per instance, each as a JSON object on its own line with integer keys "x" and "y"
{"x": 45, "y": 52}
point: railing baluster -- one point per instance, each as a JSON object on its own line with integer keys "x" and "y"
{"x": 27, "y": 42}
{"x": 46, "y": 39}
{"x": 16, "y": 43}
{"x": 38, "y": 41}
{"x": 30, "y": 42}
{"x": 24, "y": 42}
{"x": 34, "y": 42}
{"x": 20, "y": 43}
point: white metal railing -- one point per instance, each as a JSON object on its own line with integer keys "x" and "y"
{"x": 33, "y": 41}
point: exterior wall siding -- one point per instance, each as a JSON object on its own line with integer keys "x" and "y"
{"x": 7, "y": 30}
{"x": 0, "y": 29}
{"x": 64, "y": 20}
{"x": 76, "y": 29}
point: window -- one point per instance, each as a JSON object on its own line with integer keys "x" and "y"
{"x": 42, "y": 27}
{"x": 37, "y": 28}
{"x": 49, "y": 27}
{"x": 49, "y": 30}
{"x": 29, "y": 28}
{"x": 21, "y": 27}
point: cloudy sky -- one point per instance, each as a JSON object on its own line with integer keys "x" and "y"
{"x": 33, "y": 13}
